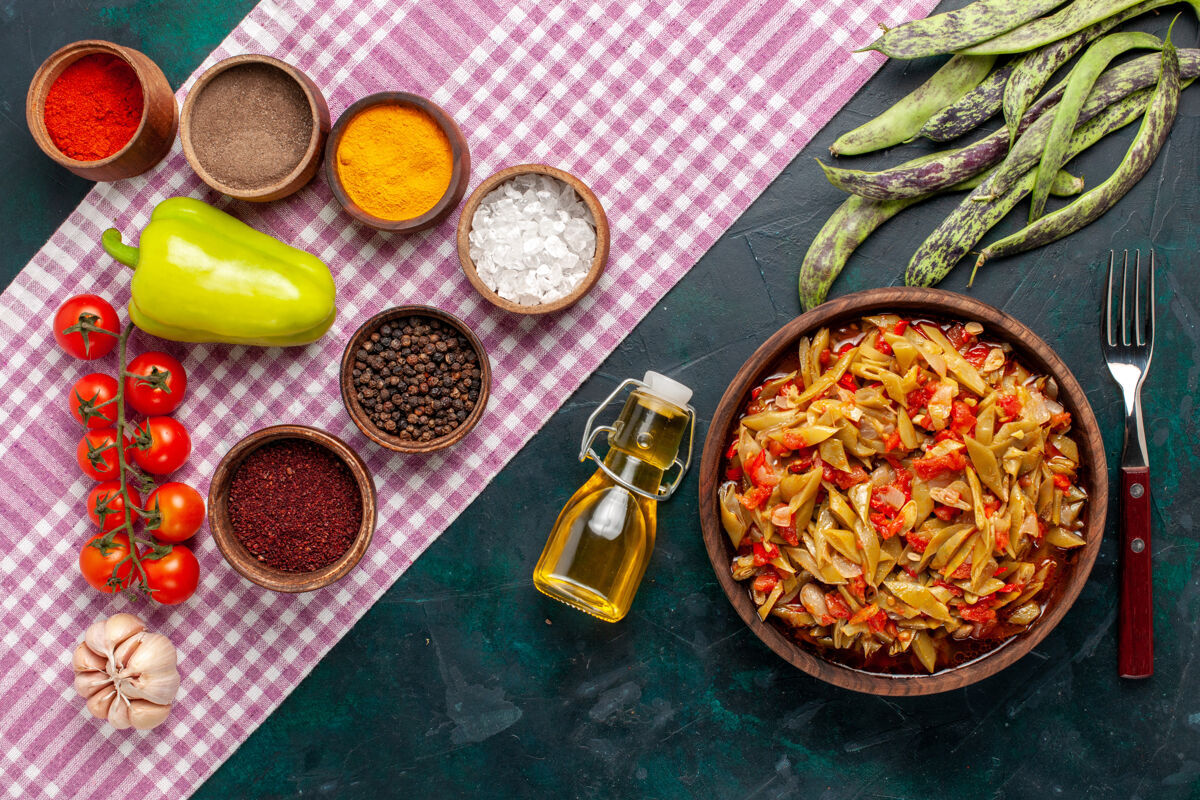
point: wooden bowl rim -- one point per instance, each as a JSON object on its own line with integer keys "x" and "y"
{"x": 316, "y": 105}
{"x": 56, "y": 63}
{"x": 236, "y": 554}
{"x": 599, "y": 260}
{"x": 460, "y": 171}
{"x": 942, "y": 304}
{"x": 359, "y": 416}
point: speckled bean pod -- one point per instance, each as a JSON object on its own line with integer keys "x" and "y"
{"x": 959, "y": 29}
{"x": 1073, "y": 18}
{"x": 969, "y": 111}
{"x": 966, "y": 225}
{"x": 941, "y": 170}
{"x": 921, "y": 176}
{"x": 1156, "y": 125}
{"x": 1033, "y": 69}
{"x": 903, "y": 120}
{"x": 1114, "y": 84}
{"x": 859, "y": 217}
{"x": 847, "y": 228}
{"x": 1066, "y": 114}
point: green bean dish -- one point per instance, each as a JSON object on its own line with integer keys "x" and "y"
{"x": 902, "y": 494}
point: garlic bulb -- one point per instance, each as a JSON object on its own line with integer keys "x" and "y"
{"x": 127, "y": 674}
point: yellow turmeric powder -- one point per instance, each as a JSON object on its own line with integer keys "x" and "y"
{"x": 394, "y": 161}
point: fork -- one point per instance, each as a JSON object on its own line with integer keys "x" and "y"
{"x": 1128, "y": 345}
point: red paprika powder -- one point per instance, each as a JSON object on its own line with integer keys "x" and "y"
{"x": 94, "y": 107}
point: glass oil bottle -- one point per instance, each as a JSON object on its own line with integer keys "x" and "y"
{"x": 601, "y": 543}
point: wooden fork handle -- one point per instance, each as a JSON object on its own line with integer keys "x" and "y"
{"x": 1136, "y": 644}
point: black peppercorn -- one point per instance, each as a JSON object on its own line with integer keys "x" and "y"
{"x": 417, "y": 378}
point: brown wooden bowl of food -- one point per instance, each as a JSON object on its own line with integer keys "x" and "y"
{"x": 253, "y": 128}
{"x": 597, "y": 262}
{"x": 150, "y": 141}
{"x": 415, "y": 379}
{"x": 257, "y": 501}
{"x": 357, "y": 200}
{"x": 903, "y": 491}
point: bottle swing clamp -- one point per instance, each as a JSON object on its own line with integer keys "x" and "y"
{"x": 591, "y": 431}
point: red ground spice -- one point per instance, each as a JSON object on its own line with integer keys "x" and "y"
{"x": 295, "y": 505}
{"x": 94, "y": 107}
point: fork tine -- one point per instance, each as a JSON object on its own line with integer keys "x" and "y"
{"x": 1108, "y": 315}
{"x": 1124, "y": 300}
{"x": 1139, "y": 336}
{"x": 1150, "y": 321}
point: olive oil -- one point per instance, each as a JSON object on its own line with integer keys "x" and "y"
{"x": 601, "y": 543}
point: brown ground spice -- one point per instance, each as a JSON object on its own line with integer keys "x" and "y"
{"x": 250, "y": 126}
{"x": 295, "y": 505}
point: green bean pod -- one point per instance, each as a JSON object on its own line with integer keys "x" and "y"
{"x": 1066, "y": 185}
{"x": 971, "y": 221}
{"x": 938, "y": 171}
{"x": 959, "y": 29}
{"x": 859, "y": 217}
{"x": 1139, "y": 73}
{"x": 1066, "y": 114}
{"x": 903, "y": 120}
{"x": 1071, "y": 19}
{"x": 1156, "y": 125}
{"x": 1033, "y": 69}
{"x": 922, "y": 175}
{"x": 969, "y": 111}
{"x": 847, "y": 228}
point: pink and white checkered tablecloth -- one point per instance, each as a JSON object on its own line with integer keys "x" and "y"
{"x": 677, "y": 114}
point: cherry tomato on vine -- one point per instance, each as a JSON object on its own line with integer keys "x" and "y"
{"x": 97, "y": 566}
{"x": 88, "y": 398}
{"x": 174, "y": 577}
{"x": 86, "y": 326}
{"x": 156, "y": 384}
{"x": 167, "y": 445}
{"x": 96, "y": 456}
{"x": 107, "y": 495}
{"x": 180, "y": 509}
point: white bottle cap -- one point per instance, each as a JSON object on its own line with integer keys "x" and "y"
{"x": 667, "y": 389}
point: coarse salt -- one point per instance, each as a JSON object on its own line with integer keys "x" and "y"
{"x": 532, "y": 239}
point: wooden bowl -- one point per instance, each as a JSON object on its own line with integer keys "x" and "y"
{"x": 1030, "y": 349}
{"x": 309, "y": 162}
{"x": 359, "y": 414}
{"x": 599, "y": 260}
{"x": 460, "y": 172}
{"x": 150, "y": 142}
{"x": 242, "y": 561}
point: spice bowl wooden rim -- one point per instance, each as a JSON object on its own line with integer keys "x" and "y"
{"x": 236, "y": 554}
{"x": 309, "y": 163}
{"x": 1030, "y": 349}
{"x": 359, "y": 414}
{"x": 155, "y": 133}
{"x": 460, "y": 173}
{"x": 599, "y": 260}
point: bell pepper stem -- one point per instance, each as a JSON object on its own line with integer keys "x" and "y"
{"x": 126, "y": 254}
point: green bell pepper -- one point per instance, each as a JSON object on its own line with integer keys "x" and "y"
{"x": 203, "y": 276}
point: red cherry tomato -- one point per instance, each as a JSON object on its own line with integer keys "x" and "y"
{"x": 97, "y": 565}
{"x": 180, "y": 509}
{"x": 174, "y": 577}
{"x": 107, "y": 495}
{"x": 167, "y": 445}
{"x": 98, "y": 443}
{"x": 155, "y": 383}
{"x": 89, "y": 392}
{"x": 86, "y": 326}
